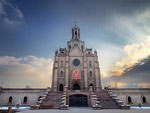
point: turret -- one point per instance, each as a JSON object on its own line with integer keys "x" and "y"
{"x": 75, "y": 33}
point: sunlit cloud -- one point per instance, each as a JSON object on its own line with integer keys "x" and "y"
{"x": 108, "y": 56}
{"x": 144, "y": 85}
{"x": 134, "y": 54}
{"x": 134, "y": 31}
{"x": 116, "y": 84}
{"x": 29, "y": 70}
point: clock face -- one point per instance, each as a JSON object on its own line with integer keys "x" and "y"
{"x": 76, "y": 62}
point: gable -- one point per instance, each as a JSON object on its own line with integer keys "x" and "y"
{"x": 76, "y": 51}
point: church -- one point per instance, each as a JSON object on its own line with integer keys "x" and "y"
{"x": 76, "y": 79}
{"x": 76, "y": 82}
{"x": 76, "y": 67}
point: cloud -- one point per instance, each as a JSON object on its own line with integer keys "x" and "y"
{"x": 2, "y": 12}
{"x": 108, "y": 54}
{"x": 10, "y": 14}
{"x": 128, "y": 31}
{"x": 131, "y": 66}
{"x": 116, "y": 84}
{"x": 135, "y": 53}
{"x": 144, "y": 85}
{"x": 132, "y": 27}
{"x": 29, "y": 70}
{"x": 136, "y": 76}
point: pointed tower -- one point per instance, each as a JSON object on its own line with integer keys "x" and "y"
{"x": 75, "y": 33}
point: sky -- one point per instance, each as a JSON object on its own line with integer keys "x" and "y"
{"x": 32, "y": 30}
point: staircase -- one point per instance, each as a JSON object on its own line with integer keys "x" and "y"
{"x": 103, "y": 99}
{"x": 52, "y": 101}
{"x": 106, "y": 100}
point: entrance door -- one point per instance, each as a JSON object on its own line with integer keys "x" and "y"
{"x": 61, "y": 87}
{"x": 76, "y": 87}
{"x": 78, "y": 100}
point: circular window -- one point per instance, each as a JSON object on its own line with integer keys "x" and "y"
{"x": 76, "y": 62}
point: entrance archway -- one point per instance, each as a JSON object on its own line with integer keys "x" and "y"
{"x": 129, "y": 100}
{"x": 144, "y": 99}
{"x": 61, "y": 87}
{"x": 78, "y": 100}
{"x": 76, "y": 86}
{"x": 10, "y": 99}
{"x": 25, "y": 100}
{"x": 91, "y": 85}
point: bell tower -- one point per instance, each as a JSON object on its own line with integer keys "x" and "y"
{"x": 75, "y": 33}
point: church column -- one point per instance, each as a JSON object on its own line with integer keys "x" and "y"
{"x": 67, "y": 72}
{"x": 85, "y": 73}
{"x": 97, "y": 74}
{"x": 55, "y": 79}
{"x": 97, "y": 79}
{"x": 55, "y": 72}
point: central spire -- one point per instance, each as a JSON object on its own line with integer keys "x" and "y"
{"x": 75, "y": 33}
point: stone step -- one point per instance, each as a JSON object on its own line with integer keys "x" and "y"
{"x": 52, "y": 101}
{"x": 106, "y": 100}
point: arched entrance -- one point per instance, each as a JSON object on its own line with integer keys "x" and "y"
{"x": 61, "y": 87}
{"x": 76, "y": 86}
{"x": 91, "y": 85}
{"x": 144, "y": 99}
{"x": 10, "y": 99}
{"x": 25, "y": 100}
{"x": 129, "y": 100}
{"x": 78, "y": 100}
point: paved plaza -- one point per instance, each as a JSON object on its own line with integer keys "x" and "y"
{"x": 87, "y": 110}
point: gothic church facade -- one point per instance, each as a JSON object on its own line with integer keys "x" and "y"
{"x": 76, "y": 67}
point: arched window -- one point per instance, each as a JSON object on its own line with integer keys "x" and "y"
{"x": 10, "y": 99}
{"x": 69, "y": 46}
{"x": 76, "y": 45}
{"x": 91, "y": 73}
{"x": 25, "y": 100}
{"x": 78, "y": 32}
{"x": 144, "y": 99}
{"x": 61, "y": 87}
{"x": 75, "y": 33}
{"x": 61, "y": 73}
{"x": 82, "y": 47}
{"x": 91, "y": 85}
{"x": 61, "y": 63}
{"x": 129, "y": 100}
{"x": 90, "y": 63}
{"x": 82, "y": 73}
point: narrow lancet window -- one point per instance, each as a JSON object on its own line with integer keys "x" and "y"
{"x": 10, "y": 99}
{"x": 129, "y": 100}
{"x": 90, "y": 63}
{"x": 25, "y": 100}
